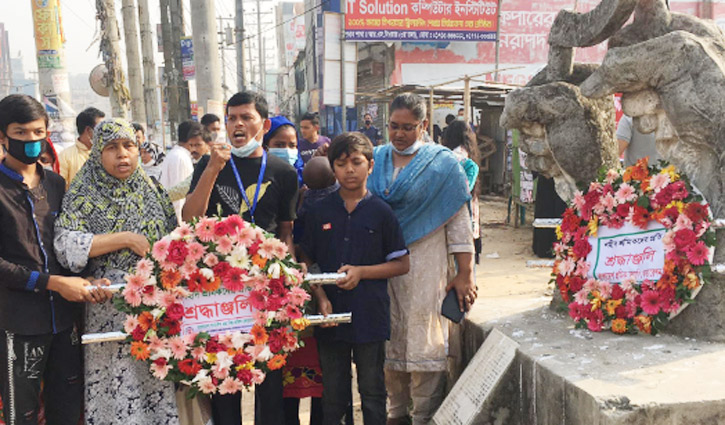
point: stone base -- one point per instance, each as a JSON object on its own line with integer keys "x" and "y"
{"x": 562, "y": 375}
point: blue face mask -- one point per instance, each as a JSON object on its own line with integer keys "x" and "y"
{"x": 25, "y": 152}
{"x": 288, "y": 155}
{"x": 410, "y": 150}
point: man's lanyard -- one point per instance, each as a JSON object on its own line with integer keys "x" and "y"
{"x": 252, "y": 206}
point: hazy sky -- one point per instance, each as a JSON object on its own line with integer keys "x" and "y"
{"x": 81, "y": 30}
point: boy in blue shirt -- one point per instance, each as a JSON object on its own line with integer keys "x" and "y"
{"x": 354, "y": 232}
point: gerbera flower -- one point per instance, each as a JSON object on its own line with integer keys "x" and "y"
{"x": 170, "y": 278}
{"x": 144, "y": 267}
{"x": 140, "y": 350}
{"x": 206, "y": 385}
{"x": 205, "y": 229}
{"x": 619, "y": 326}
{"x": 211, "y": 260}
{"x": 233, "y": 279}
{"x": 625, "y": 193}
{"x": 234, "y": 223}
{"x": 644, "y": 323}
{"x": 130, "y": 324}
{"x": 196, "y": 251}
{"x": 196, "y": 282}
{"x": 224, "y": 245}
{"x": 300, "y": 324}
{"x": 650, "y": 302}
{"x": 160, "y": 369}
{"x": 276, "y": 362}
{"x": 698, "y": 253}
{"x": 211, "y": 285}
{"x": 178, "y": 347}
{"x": 132, "y": 297}
{"x": 640, "y": 217}
{"x": 259, "y": 261}
{"x": 259, "y": 335}
{"x": 230, "y": 386}
{"x": 160, "y": 249}
{"x": 257, "y": 299}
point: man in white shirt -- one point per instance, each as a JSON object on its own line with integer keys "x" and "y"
{"x": 179, "y": 164}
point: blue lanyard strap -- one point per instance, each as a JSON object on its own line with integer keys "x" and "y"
{"x": 252, "y": 206}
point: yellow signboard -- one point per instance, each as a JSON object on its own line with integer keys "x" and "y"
{"x": 48, "y": 33}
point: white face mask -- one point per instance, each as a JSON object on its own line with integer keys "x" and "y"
{"x": 249, "y": 148}
{"x": 410, "y": 150}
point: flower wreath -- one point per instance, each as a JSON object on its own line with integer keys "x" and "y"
{"x": 638, "y": 195}
{"x": 213, "y": 256}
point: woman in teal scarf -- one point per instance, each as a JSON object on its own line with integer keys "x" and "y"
{"x": 427, "y": 189}
{"x": 109, "y": 213}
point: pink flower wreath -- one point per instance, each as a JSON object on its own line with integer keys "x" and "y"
{"x": 638, "y": 196}
{"x": 214, "y": 255}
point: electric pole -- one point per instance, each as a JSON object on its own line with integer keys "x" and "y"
{"x": 259, "y": 45}
{"x": 251, "y": 64}
{"x": 239, "y": 39}
{"x": 206, "y": 59}
{"x": 52, "y": 72}
{"x": 177, "y": 31}
{"x": 111, "y": 51}
{"x": 133, "y": 61}
{"x": 172, "y": 85}
{"x": 149, "y": 69}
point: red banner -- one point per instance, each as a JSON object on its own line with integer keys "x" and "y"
{"x": 421, "y": 20}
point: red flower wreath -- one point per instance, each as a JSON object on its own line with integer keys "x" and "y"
{"x": 214, "y": 256}
{"x": 640, "y": 196}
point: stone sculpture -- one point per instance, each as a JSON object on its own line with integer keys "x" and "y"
{"x": 670, "y": 68}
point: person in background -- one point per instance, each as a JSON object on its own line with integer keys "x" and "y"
{"x": 449, "y": 119}
{"x": 179, "y": 162}
{"x": 109, "y": 214}
{"x": 212, "y": 123}
{"x": 39, "y": 338}
{"x": 243, "y": 179}
{"x": 428, "y": 191}
{"x": 49, "y": 157}
{"x": 462, "y": 142}
{"x": 311, "y": 138}
{"x": 353, "y": 231}
{"x": 635, "y": 145}
{"x": 198, "y": 145}
{"x": 140, "y": 133}
{"x": 72, "y": 158}
{"x": 151, "y": 159}
{"x": 281, "y": 141}
{"x": 369, "y": 130}
{"x": 320, "y": 182}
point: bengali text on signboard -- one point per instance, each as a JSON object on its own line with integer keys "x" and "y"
{"x": 421, "y": 20}
{"x": 217, "y": 313}
{"x": 628, "y": 253}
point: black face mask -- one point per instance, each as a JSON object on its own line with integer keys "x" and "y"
{"x": 368, "y": 122}
{"x": 26, "y": 152}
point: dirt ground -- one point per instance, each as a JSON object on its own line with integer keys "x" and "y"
{"x": 505, "y": 284}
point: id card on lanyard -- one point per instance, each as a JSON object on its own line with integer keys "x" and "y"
{"x": 253, "y": 205}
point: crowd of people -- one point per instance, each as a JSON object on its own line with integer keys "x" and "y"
{"x": 397, "y": 219}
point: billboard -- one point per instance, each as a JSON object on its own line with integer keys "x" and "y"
{"x": 48, "y": 36}
{"x": 421, "y": 20}
{"x": 187, "y": 58}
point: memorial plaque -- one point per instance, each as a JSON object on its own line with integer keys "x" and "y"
{"x": 475, "y": 385}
